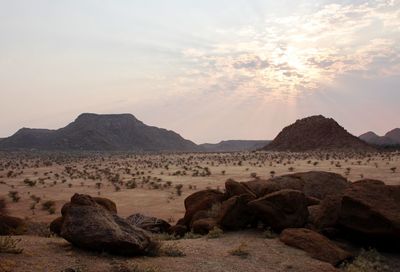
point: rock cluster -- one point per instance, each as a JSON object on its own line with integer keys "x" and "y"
{"x": 306, "y": 208}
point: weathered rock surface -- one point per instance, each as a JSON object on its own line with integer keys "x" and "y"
{"x": 235, "y": 214}
{"x": 282, "y": 209}
{"x": 372, "y": 210}
{"x": 200, "y": 201}
{"x": 88, "y": 225}
{"x": 315, "y": 244}
{"x": 152, "y": 224}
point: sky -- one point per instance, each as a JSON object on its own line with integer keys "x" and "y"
{"x": 210, "y": 70}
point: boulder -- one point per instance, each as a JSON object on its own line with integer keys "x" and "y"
{"x": 258, "y": 186}
{"x": 178, "y": 230}
{"x": 371, "y": 211}
{"x": 317, "y": 184}
{"x": 234, "y": 188}
{"x": 10, "y": 225}
{"x": 326, "y": 214}
{"x": 152, "y": 224}
{"x": 204, "y": 225}
{"x": 88, "y": 225}
{"x": 106, "y": 203}
{"x": 315, "y": 244}
{"x": 282, "y": 209}
{"x": 56, "y": 224}
{"x": 235, "y": 214}
{"x": 199, "y": 201}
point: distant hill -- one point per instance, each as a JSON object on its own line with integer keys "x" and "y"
{"x": 316, "y": 133}
{"x": 394, "y": 135}
{"x": 235, "y": 145}
{"x": 390, "y": 140}
{"x": 120, "y": 132}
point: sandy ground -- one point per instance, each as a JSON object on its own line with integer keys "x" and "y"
{"x": 54, "y": 254}
{"x": 59, "y": 176}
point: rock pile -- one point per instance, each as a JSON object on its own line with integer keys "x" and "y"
{"x": 306, "y": 208}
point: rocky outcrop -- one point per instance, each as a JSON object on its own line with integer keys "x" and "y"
{"x": 282, "y": 209}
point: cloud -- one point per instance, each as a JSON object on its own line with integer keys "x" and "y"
{"x": 287, "y": 56}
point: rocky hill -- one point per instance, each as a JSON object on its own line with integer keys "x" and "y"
{"x": 316, "y": 133}
{"x": 120, "y": 132}
{"x": 391, "y": 138}
{"x": 235, "y": 145}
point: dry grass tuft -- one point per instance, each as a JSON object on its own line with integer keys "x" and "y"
{"x": 367, "y": 261}
{"x": 240, "y": 251}
{"x": 10, "y": 245}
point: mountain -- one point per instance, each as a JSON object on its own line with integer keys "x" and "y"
{"x": 316, "y": 133}
{"x": 120, "y": 132}
{"x": 235, "y": 145}
{"x": 374, "y": 139}
{"x": 390, "y": 140}
{"x": 394, "y": 135}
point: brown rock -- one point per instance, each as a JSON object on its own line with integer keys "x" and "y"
{"x": 315, "y": 244}
{"x": 88, "y": 225}
{"x": 326, "y": 214}
{"x": 372, "y": 211}
{"x": 282, "y": 209}
{"x": 204, "y": 225}
{"x": 202, "y": 200}
{"x": 152, "y": 224}
{"x": 234, "y": 188}
{"x": 178, "y": 230}
{"x": 56, "y": 224}
{"x": 235, "y": 214}
{"x": 258, "y": 186}
{"x": 106, "y": 203}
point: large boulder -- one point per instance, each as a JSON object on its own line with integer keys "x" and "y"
{"x": 88, "y": 225}
{"x": 371, "y": 211}
{"x": 326, "y": 214}
{"x": 106, "y": 204}
{"x": 317, "y": 184}
{"x": 282, "y": 209}
{"x": 200, "y": 201}
{"x": 315, "y": 244}
{"x": 204, "y": 225}
{"x": 258, "y": 186}
{"x": 234, "y": 213}
{"x": 10, "y": 225}
{"x": 234, "y": 188}
{"x": 152, "y": 224}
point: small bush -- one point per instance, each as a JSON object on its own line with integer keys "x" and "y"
{"x": 49, "y": 206}
{"x": 215, "y": 233}
{"x": 192, "y": 235}
{"x": 269, "y": 234}
{"x": 172, "y": 251}
{"x": 167, "y": 237}
{"x": 240, "y": 251}
{"x": 9, "y": 245}
{"x": 14, "y": 195}
{"x": 367, "y": 261}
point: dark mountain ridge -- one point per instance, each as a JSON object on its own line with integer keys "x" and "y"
{"x": 100, "y": 132}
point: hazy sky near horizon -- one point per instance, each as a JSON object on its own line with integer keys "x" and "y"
{"x": 210, "y": 70}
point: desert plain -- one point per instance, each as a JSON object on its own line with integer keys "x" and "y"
{"x": 37, "y": 185}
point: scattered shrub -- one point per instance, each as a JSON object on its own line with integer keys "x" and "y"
{"x": 215, "y": 233}
{"x": 240, "y": 251}
{"x": 10, "y": 245}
